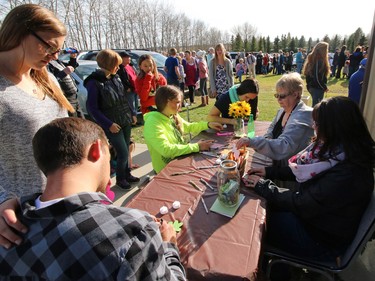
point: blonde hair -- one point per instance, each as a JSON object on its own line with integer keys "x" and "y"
{"x": 292, "y": 83}
{"x": 318, "y": 54}
{"x": 216, "y": 57}
{"x": 17, "y": 25}
{"x": 108, "y": 59}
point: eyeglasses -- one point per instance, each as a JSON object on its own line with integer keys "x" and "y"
{"x": 50, "y": 49}
{"x": 281, "y": 96}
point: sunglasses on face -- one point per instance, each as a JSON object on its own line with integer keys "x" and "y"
{"x": 281, "y": 96}
{"x": 50, "y": 49}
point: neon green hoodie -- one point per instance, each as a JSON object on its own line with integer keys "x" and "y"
{"x": 164, "y": 141}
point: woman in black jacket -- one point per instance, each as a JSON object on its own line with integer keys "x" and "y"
{"x": 108, "y": 104}
{"x": 335, "y": 176}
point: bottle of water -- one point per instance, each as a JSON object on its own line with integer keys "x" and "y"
{"x": 251, "y": 127}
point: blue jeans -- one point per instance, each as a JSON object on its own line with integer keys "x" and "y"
{"x": 120, "y": 142}
{"x": 299, "y": 67}
{"x": 264, "y": 69}
{"x": 239, "y": 74}
{"x": 203, "y": 86}
{"x": 333, "y": 70}
{"x": 133, "y": 99}
{"x": 316, "y": 94}
{"x": 173, "y": 81}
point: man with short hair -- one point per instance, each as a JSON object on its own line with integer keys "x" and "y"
{"x": 259, "y": 62}
{"x": 251, "y": 62}
{"x": 299, "y": 60}
{"x": 62, "y": 71}
{"x": 335, "y": 62}
{"x": 128, "y": 75}
{"x": 73, "y": 233}
{"x": 171, "y": 68}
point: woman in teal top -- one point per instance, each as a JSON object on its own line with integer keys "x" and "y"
{"x": 164, "y": 129}
{"x": 246, "y": 91}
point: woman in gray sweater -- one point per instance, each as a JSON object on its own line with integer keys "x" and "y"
{"x": 291, "y": 129}
{"x": 30, "y": 37}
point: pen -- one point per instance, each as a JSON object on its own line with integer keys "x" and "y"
{"x": 182, "y": 173}
{"x": 206, "y": 167}
{"x": 211, "y": 154}
{"x": 204, "y": 205}
{"x": 206, "y": 183}
{"x": 195, "y": 186}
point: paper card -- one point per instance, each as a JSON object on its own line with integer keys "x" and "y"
{"x": 236, "y": 152}
{"x": 229, "y": 212}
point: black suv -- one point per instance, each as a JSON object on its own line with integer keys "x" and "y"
{"x": 135, "y": 54}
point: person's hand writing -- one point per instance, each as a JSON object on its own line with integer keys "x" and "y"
{"x": 69, "y": 69}
{"x": 168, "y": 234}
{"x": 257, "y": 171}
{"x": 245, "y": 141}
{"x": 215, "y": 125}
{"x": 9, "y": 224}
{"x": 205, "y": 144}
{"x": 115, "y": 128}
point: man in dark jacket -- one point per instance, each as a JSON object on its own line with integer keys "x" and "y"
{"x": 62, "y": 73}
{"x": 341, "y": 62}
{"x": 335, "y": 62}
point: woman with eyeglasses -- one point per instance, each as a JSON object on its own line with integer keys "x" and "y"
{"x": 335, "y": 181}
{"x": 30, "y": 37}
{"x": 291, "y": 129}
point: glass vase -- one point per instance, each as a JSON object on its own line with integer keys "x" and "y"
{"x": 239, "y": 127}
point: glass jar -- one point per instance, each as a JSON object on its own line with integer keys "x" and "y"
{"x": 239, "y": 127}
{"x": 228, "y": 183}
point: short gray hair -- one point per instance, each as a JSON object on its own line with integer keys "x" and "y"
{"x": 292, "y": 82}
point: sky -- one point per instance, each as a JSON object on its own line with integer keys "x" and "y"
{"x": 274, "y": 17}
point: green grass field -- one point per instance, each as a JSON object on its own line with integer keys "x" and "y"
{"x": 267, "y": 103}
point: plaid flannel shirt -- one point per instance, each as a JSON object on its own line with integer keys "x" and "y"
{"x": 80, "y": 238}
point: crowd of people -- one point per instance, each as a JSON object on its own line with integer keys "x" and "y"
{"x": 55, "y": 165}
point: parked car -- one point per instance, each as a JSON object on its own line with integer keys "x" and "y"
{"x": 233, "y": 57}
{"x": 84, "y": 69}
{"x": 135, "y": 54}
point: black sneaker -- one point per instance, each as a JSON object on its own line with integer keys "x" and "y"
{"x": 124, "y": 184}
{"x": 131, "y": 178}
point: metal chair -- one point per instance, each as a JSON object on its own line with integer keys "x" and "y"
{"x": 330, "y": 269}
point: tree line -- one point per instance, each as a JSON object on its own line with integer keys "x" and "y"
{"x": 155, "y": 25}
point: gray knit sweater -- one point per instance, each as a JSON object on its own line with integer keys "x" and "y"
{"x": 21, "y": 115}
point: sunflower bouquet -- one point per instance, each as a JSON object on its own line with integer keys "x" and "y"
{"x": 239, "y": 109}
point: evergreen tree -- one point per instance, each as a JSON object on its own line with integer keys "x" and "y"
{"x": 253, "y": 44}
{"x": 276, "y": 44}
